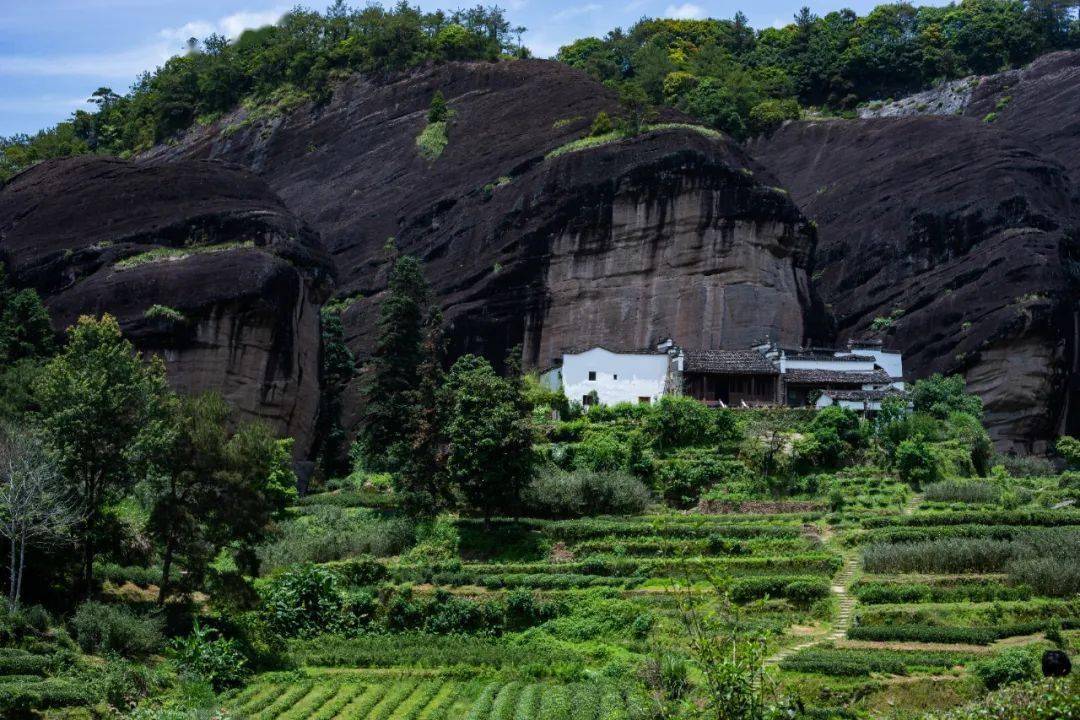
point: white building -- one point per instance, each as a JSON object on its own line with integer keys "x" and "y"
{"x": 611, "y": 377}
{"x": 768, "y": 374}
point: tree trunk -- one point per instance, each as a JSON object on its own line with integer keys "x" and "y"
{"x": 12, "y": 587}
{"x": 22, "y": 566}
{"x": 166, "y": 567}
{"x": 88, "y": 566}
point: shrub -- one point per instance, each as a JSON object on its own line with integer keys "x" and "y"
{"x": 432, "y": 141}
{"x": 438, "y": 111}
{"x": 1009, "y": 666}
{"x": 115, "y": 629}
{"x": 686, "y": 476}
{"x": 802, "y": 591}
{"x": 602, "y": 125}
{"x": 948, "y": 556}
{"x": 303, "y": 602}
{"x": 968, "y": 492}
{"x": 217, "y": 661}
{"x": 916, "y": 464}
{"x": 680, "y": 421}
{"x": 556, "y": 493}
{"x": 164, "y": 312}
{"x": 1052, "y": 576}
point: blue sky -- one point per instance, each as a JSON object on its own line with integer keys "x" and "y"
{"x": 54, "y": 53}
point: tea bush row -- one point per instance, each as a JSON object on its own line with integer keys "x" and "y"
{"x": 420, "y": 650}
{"x": 800, "y": 590}
{"x": 852, "y": 662}
{"x": 948, "y": 635}
{"x": 1044, "y": 518}
{"x": 879, "y": 593}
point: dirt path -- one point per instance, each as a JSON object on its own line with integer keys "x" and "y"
{"x": 913, "y": 503}
{"x": 840, "y": 585}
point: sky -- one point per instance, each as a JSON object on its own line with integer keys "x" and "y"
{"x": 54, "y": 53}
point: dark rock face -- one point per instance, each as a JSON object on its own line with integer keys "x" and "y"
{"x": 1040, "y": 103}
{"x": 673, "y": 233}
{"x": 960, "y": 232}
{"x": 250, "y": 327}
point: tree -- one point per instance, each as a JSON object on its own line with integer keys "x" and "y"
{"x": 422, "y": 477}
{"x": 338, "y": 368}
{"x": 489, "y": 453}
{"x": 939, "y": 396}
{"x": 25, "y": 328}
{"x": 211, "y": 488}
{"x": 98, "y": 403}
{"x": 438, "y": 111}
{"x": 393, "y": 374}
{"x": 1069, "y": 448}
{"x": 35, "y": 511}
{"x": 916, "y": 464}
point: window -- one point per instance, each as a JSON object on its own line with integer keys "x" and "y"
{"x": 588, "y": 400}
{"x": 644, "y": 400}
{"x": 615, "y": 377}
{"x": 592, "y": 374}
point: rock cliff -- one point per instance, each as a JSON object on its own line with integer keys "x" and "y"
{"x": 676, "y": 232}
{"x": 238, "y": 278}
{"x": 950, "y": 238}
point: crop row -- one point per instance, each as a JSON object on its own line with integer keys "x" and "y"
{"x": 615, "y": 567}
{"x": 858, "y": 662}
{"x": 879, "y": 593}
{"x": 982, "y": 635}
{"x": 345, "y": 698}
{"x": 1042, "y": 518}
{"x": 713, "y": 545}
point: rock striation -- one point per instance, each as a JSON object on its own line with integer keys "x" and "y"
{"x": 238, "y": 278}
{"x": 676, "y": 232}
{"x": 949, "y": 238}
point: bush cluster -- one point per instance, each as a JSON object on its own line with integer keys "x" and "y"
{"x": 101, "y": 628}
{"x": 802, "y": 591}
{"x": 558, "y": 493}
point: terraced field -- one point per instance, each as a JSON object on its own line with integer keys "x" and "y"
{"x": 359, "y": 695}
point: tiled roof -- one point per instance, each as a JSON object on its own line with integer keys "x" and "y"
{"x": 830, "y": 355}
{"x": 862, "y": 395}
{"x": 734, "y": 362}
{"x": 837, "y": 377}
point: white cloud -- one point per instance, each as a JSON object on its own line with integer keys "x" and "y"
{"x": 572, "y": 12}
{"x": 129, "y": 63}
{"x": 230, "y": 26}
{"x": 686, "y": 11}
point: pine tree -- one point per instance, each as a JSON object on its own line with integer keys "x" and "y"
{"x": 438, "y": 110}
{"x": 394, "y": 371}
{"x": 422, "y": 478}
{"x": 338, "y": 368}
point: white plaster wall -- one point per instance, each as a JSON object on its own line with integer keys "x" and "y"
{"x": 857, "y": 405}
{"x": 842, "y": 365}
{"x": 890, "y": 362}
{"x": 619, "y": 377}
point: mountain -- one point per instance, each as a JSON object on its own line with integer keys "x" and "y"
{"x": 200, "y": 263}
{"x": 676, "y": 232}
{"x": 953, "y": 238}
{"x": 950, "y": 237}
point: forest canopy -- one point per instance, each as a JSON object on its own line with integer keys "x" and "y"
{"x": 722, "y": 72}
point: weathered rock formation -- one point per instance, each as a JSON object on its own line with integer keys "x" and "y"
{"x": 676, "y": 232}
{"x": 248, "y": 323}
{"x": 949, "y": 237}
